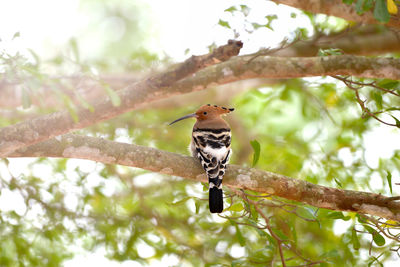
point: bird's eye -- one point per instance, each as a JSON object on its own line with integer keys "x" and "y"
{"x": 205, "y": 113}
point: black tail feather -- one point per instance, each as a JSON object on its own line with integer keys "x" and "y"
{"x": 216, "y": 200}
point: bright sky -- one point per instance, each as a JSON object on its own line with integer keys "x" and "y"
{"x": 45, "y": 25}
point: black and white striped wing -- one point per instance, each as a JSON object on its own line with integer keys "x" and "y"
{"x": 213, "y": 150}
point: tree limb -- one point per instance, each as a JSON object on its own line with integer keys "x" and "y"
{"x": 48, "y": 126}
{"x": 109, "y": 152}
{"x": 357, "y": 40}
{"x": 339, "y": 9}
{"x": 238, "y": 68}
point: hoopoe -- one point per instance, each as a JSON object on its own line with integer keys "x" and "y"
{"x": 211, "y": 144}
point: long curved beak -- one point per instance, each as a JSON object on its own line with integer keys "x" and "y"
{"x": 184, "y": 117}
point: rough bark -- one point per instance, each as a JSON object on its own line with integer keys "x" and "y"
{"x": 48, "y": 95}
{"x": 339, "y": 9}
{"x": 238, "y": 68}
{"x": 365, "y": 40}
{"x": 105, "y": 151}
{"x": 48, "y": 126}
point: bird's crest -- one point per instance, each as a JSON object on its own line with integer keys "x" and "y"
{"x": 211, "y": 111}
{"x": 207, "y": 112}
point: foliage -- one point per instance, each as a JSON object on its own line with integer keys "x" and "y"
{"x": 381, "y": 8}
{"x": 311, "y": 128}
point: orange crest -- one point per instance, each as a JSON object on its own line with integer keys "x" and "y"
{"x": 210, "y": 111}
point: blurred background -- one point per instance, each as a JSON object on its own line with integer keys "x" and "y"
{"x": 58, "y": 55}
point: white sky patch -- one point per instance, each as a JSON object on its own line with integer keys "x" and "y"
{"x": 19, "y": 166}
{"x": 172, "y": 259}
{"x": 346, "y": 156}
{"x": 381, "y": 142}
{"x": 195, "y": 190}
{"x": 12, "y": 201}
{"x": 144, "y": 250}
{"x": 375, "y": 181}
{"x": 97, "y": 258}
{"x": 237, "y": 251}
{"x": 221, "y": 247}
{"x": 42, "y": 24}
{"x": 340, "y": 227}
{"x": 147, "y": 179}
{"x": 4, "y": 172}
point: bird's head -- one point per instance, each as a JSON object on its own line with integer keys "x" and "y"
{"x": 207, "y": 112}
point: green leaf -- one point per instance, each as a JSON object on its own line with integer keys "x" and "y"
{"x": 26, "y": 99}
{"x": 359, "y": 7}
{"x": 379, "y": 240}
{"x": 354, "y": 239}
{"x": 381, "y": 12}
{"x": 368, "y": 4}
{"x": 264, "y": 255}
{"x": 72, "y": 112}
{"x": 224, "y": 24}
{"x": 330, "y": 52}
{"x": 338, "y": 183}
{"x": 397, "y": 121}
{"x": 335, "y": 215}
{"x": 239, "y": 235}
{"x": 378, "y": 99}
{"x": 360, "y": 219}
{"x": 197, "y": 206}
{"x": 83, "y": 102}
{"x": 363, "y": 5}
{"x": 258, "y": 25}
{"x": 16, "y": 35}
{"x": 238, "y": 262}
{"x": 231, "y": 9}
{"x": 348, "y": 2}
{"x": 245, "y": 10}
{"x": 254, "y": 213}
{"x": 333, "y": 254}
{"x": 238, "y": 206}
{"x": 306, "y": 212}
{"x": 389, "y": 84}
{"x": 35, "y": 56}
{"x": 280, "y": 234}
{"x": 183, "y": 200}
{"x": 205, "y": 187}
{"x": 389, "y": 179}
{"x": 254, "y": 223}
{"x": 115, "y": 99}
{"x": 75, "y": 50}
{"x": 256, "y": 147}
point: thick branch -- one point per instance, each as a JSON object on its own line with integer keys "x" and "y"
{"x": 365, "y": 40}
{"x": 238, "y": 68}
{"x": 48, "y": 126}
{"x": 339, "y": 9}
{"x": 101, "y": 150}
{"x": 86, "y": 87}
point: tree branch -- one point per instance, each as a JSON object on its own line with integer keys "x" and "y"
{"x": 339, "y": 9}
{"x": 153, "y": 88}
{"x": 238, "y": 68}
{"x": 357, "y": 40}
{"x": 109, "y": 152}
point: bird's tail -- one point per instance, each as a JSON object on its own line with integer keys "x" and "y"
{"x": 215, "y": 198}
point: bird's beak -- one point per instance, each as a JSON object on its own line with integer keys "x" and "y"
{"x": 184, "y": 117}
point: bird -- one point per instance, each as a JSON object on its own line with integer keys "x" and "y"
{"x": 211, "y": 145}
